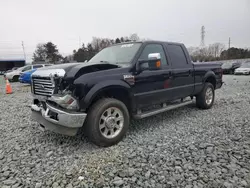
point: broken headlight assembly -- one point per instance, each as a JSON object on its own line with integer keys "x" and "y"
{"x": 66, "y": 101}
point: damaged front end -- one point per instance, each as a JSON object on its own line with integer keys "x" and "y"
{"x": 54, "y": 106}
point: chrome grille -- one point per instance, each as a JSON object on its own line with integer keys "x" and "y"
{"x": 42, "y": 86}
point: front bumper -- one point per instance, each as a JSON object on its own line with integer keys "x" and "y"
{"x": 23, "y": 80}
{"x": 62, "y": 122}
{"x": 241, "y": 73}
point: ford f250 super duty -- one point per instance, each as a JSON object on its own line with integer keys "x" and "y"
{"x": 123, "y": 81}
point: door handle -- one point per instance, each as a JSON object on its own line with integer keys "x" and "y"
{"x": 170, "y": 75}
{"x": 189, "y": 72}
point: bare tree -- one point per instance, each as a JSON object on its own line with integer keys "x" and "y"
{"x": 216, "y": 49}
{"x": 134, "y": 37}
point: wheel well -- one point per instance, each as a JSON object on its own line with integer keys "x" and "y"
{"x": 117, "y": 93}
{"x": 211, "y": 80}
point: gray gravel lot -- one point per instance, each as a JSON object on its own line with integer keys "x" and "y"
{"x": 186, "y": 147}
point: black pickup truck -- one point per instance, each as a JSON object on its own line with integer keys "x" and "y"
{"x": 123, "y": 81}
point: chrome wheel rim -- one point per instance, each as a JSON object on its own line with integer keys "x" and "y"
{"x": 209, "y": 96}
{"x": 111, "y": 122}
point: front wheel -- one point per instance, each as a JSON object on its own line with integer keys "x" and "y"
{"x": 205, "y": 98}
{"x": 15, "y": 78}
{"x": 107, "y": 122}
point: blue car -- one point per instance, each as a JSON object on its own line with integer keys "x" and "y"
{"x": 25, "y": 77}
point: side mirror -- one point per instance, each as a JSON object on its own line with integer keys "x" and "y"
{"x": 152, "y": 63}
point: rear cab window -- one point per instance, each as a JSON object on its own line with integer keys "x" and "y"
{"x": 177, "y": 56}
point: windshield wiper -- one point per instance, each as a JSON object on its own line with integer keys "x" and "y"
{"x": 115, "y": 63}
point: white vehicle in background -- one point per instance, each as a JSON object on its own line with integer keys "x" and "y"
{"x": 14, "y": 74}
{"x": 243, "y": 69}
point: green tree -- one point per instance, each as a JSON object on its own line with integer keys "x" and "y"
{"x": 47, "y": 52}
{"x": 39, "y": 54}
{"x": 52, "y": 53}
{"x": 117, "y": 40}
{"x": 235, "y": 53}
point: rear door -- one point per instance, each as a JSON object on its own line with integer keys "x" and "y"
{"x": 151, "y": 86}
{"x": 182, "y": 71}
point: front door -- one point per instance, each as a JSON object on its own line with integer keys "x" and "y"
{"x": 150, "y": 86}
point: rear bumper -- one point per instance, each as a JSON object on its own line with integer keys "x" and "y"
{"x": 9, "y": 77}
{"x": 62, "y": 122}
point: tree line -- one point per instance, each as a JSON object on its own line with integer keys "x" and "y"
{"x": 49, "y": 52}
{"x": 217, "y": 51}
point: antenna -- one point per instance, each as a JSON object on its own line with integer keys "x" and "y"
{"x": 202, "y": 45}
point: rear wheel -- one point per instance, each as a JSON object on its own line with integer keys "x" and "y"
{"x": 107, "y": 122}
{"x": 205, "y": 98}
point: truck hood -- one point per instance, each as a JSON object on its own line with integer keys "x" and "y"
{"x": 72, "y": 71}
{"x": 66, "y": 67}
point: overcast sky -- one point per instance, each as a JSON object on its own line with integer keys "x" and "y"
{"x": 64, "y": 21}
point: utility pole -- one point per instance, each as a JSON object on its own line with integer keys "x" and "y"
{"x": 228, "y": 53}
{"x": 79, "y": 42}
{"x": 24, "y": 54}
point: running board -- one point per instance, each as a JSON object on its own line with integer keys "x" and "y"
{"x": 165, "y": 108}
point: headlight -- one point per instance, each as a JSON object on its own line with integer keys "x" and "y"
{"x": 66, "y": 101}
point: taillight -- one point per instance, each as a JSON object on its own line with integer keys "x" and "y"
{"x": 221, "y": 71}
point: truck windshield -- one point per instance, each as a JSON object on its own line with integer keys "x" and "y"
{"x": 121, "y": 54}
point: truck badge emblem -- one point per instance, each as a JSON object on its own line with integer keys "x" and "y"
{"x": 129, "y": 78}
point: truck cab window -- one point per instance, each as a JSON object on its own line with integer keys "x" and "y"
{"x": 177, "y": 56}
{"x": 154, "y": 48}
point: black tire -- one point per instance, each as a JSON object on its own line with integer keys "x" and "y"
{"x": 15, "y": 78}
{"x": 201, "y": 101}
{"x": 91, "y": 127}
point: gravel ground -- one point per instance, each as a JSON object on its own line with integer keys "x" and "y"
{"x": 186, "y": 147}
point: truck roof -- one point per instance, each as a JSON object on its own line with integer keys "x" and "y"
{"x": 148, "y": 41}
